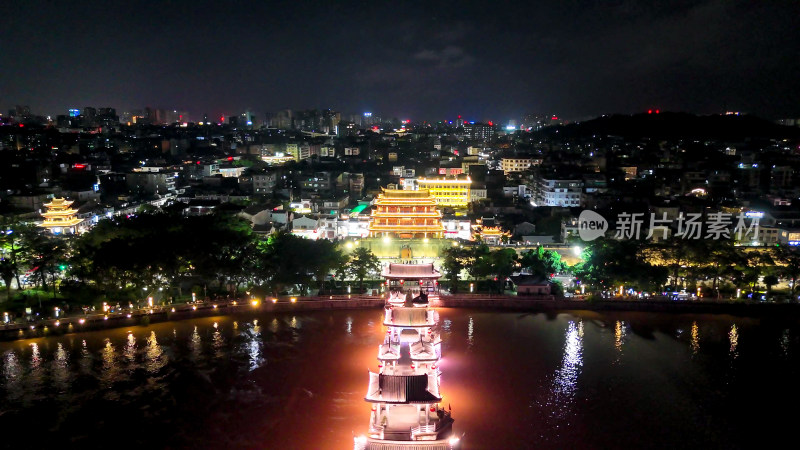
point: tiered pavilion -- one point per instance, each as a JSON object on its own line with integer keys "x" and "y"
{"x": 407, "y": 411}
{"x": 406, "y": 214}
{"x": 60, "y": 217}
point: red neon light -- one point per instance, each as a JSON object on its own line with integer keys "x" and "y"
{"x": 490, "y": 123}
{"x": 657, "y": 111}
{"x": 80, "y": 166}
{"x": 554, "y": 118}
{"x": 230, "y": 158}
{"x": 649, "y": 111}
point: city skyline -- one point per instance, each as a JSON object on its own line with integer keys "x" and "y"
{"x": 413, "y": 61}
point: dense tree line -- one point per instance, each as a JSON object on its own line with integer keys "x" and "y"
{"x": 479, "y": 262}
{"x": 168, "y": 255}
{"x": 717, "y": 267}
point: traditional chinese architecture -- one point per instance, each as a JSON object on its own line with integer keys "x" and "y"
{"x": 492, "y": 235}
{"x": 488, "y": 232}
{"x": 406, "y": 214}
{"x": 60, "y": 217}
{"x": 403, "y": 280}
{"x": 407, "y": 410}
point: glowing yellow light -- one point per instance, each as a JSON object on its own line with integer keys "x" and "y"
{"x": 215, "y": 306}
{"x": 274, "y": 300}
{"x": 194, "y": 308}
{"x": 254, "y": 302}
{"x": 57, "y": 323}
{"x": 294, "y": 300}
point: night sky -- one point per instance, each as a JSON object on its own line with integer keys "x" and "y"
{"x": 417, "y": 60}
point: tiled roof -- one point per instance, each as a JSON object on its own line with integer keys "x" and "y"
{"x": 411, "y": 271}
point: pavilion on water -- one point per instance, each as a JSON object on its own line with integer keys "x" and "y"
{"x": 407, "y": 409}
{"x": 413, "y": 279}
{"x": 60, "y": 217}
{"x": 406, "y": 214}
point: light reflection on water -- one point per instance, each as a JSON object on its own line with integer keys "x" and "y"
{"x": 85, "y": 359}
{"x": 471, "y": 333}
{"x": 196, "y": 345}
{"x": 207, "y": 383}
{"x": 255, "y": 347}
{"x": 566, "y": 377}
{"x": 129, "y": 353}
{"x": 695, "y": 343}
{"x": 218, "y": 343}
{"x": 733, "y": 336}
{"x": 12, "y": 373}
{"x": 110, "y": 371}
{"x": 60, "y": 369}
{"x": 786, "y": 342}
{"x": 619, "y": 334}
{"x": 155, "y": 360}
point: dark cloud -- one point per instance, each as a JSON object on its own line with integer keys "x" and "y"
{"x": 419, "y": 59}
{"x": 446, "y": 58}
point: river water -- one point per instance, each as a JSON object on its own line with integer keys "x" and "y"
{"x": 513, "y": 380}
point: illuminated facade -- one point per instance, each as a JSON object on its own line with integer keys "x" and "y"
{"x": 489, "y": 234}
{"x": 453, "y": 193}
{"x": 492, "y": 235}
{"x": 60, "y": 217}
{"x": 515, "y": 164}
{"x": 406, "y": 214}
{"x": 407, "y": 409}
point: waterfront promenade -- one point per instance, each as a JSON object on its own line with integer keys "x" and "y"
{"x": 547, "y": 303}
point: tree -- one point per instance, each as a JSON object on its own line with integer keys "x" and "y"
{"x": 609, "y": 263}
{"x": 7, "y": 273}
{"x": 503, "y": 263}
{"x": 788, "y": 261}
{"x": 769, "y": 281}
{"x": 499, "y": 264}
{"x": 362, "y": 263}
{"x": 454, "y": 260}
{"x": 284, "y": 262}
{"x": 325, "y": 257}
{"x": 542, "y": 262}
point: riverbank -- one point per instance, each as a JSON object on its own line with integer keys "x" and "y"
{"x": 146, "y": 316}
{"x": 551, "y": 303}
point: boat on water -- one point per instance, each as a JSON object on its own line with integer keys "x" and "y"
{"x": 407, "y": 411}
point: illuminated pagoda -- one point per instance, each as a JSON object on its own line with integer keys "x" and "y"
{"x": 60, "y": 217}
{"x": 407, "y": 408}
{"x": 406, "y": 214}
{"x": 413, "y": 279}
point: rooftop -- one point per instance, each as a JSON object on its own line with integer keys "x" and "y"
{"x": 410, "y": 271}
